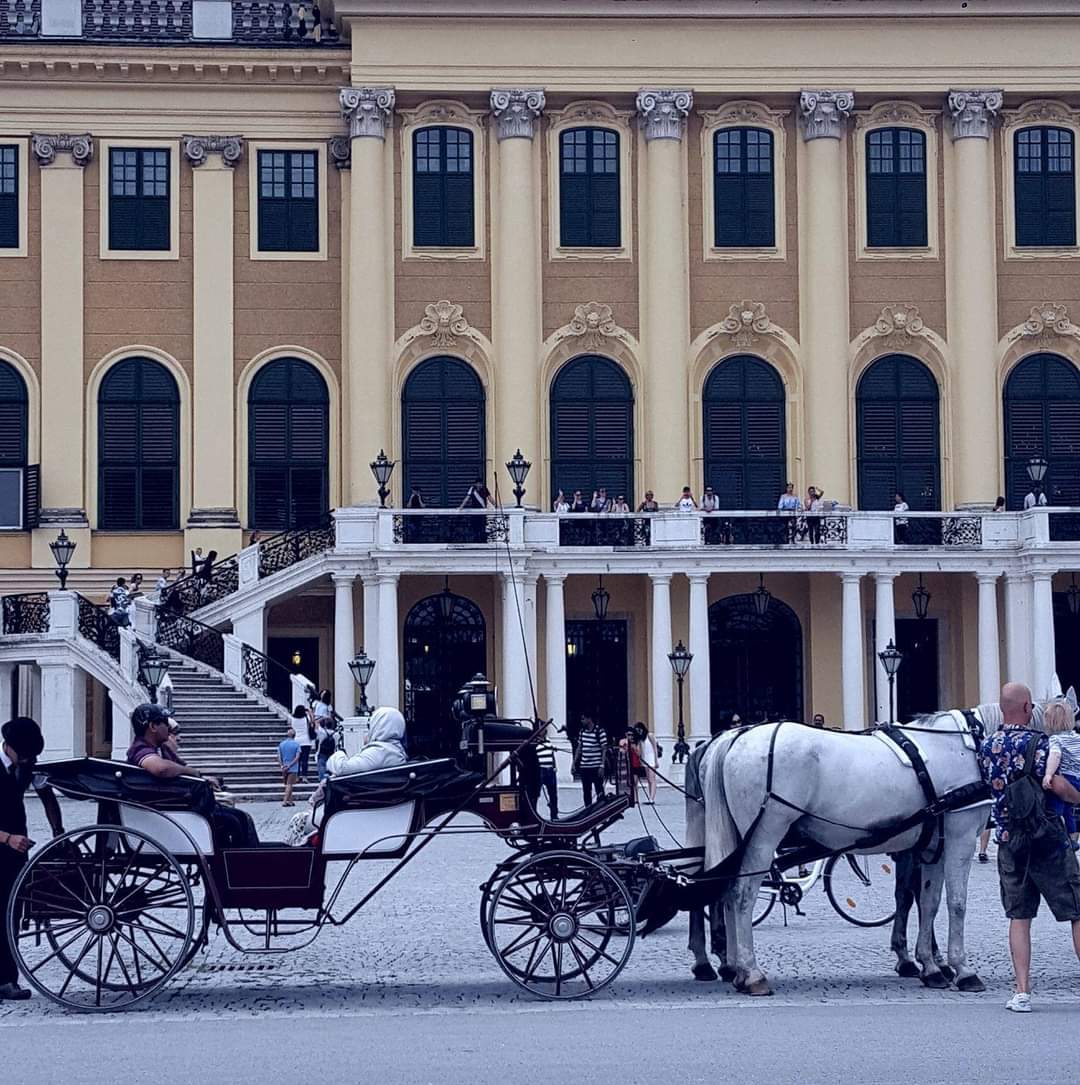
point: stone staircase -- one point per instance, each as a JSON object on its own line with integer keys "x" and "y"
{"x": 226, "y": 733}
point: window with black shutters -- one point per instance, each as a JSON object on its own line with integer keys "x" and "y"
{"x": 743, "y": 194}
{"x": 589, "y": 189}
{"x": 443, "y": 434}
{"x": 288, "y": 201}
{"x": 139, "y": 218}
{"x": 9, "y": 197}
{"x": 1042, "y": 419}
{"x": 1045, "y": 187}
{"x": 138, "y": 448}
{"x": 592, "y": 429}
{"x": 13, "y": 447}
{"x": 288, "y": 446}
{"x": 896, "y": 410}
{"x": 443, "y": 188}
{"x": 896, "y": 188}
{"x": 744, "y": 433}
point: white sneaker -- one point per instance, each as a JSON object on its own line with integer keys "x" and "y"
{"x": 1019, "y": 1003}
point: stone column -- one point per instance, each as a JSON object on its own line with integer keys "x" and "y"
{"x": 971, "y": 287}
{"x": 213, "y": 522}
{"x": 1043, "y": 665}
{"x": 366, "y": 367}
{"x": 555, "y": 652}
{"x": 700, "y": 677}
{"x": 665, "y": 291}
{"x": 854, "y": 695}
{"x": 371, "y": 633}
{"x": 62, "y": 159}
{"x": 63, "y": 711}
{"x": 514, "y": 699}
{"x": 884, "y": 631}
{"x": 346, "y": 692}
{"x": 7, "y": 690}
{"x": 515, "y": 270}
{"x": 386, "y": 663}
{"x": 339, "y": 150}
{"x": 989, "y": 668}
{"x": 662, "y": 723}
{"x": 119, "y": 729}
{"x": 823, "y": 288}
{"x": 1017, "y": 628}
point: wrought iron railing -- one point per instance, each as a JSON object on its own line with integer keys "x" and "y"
{"x": 291, "y": 547}
{"x": 198, "y": 589}
{"x": 26, "y": 613}
{"x": 258, "y": 670}
{"x": 1064, "y": 526}
{"x": 96, "y": 626}
{"x": 773, "y": 529}
{"x": 937, "y": 531}
{"x": 475, "y": 526}
{"x": 20, "y": 18}
{"x": 191, "y": 638}
{"x": 588, "y": 529}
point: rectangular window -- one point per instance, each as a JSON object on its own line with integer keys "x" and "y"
{"x": 9, "y": 197}
{"x": 1045, "y": 187}
{"x": 443, "y": 188}
{"x": 589, "y": 189}
{"x": 896, "y": 212}
{"x": 288, "y": 201}
{"x": 139, "y": 219}
{"x": 744, "y": 201}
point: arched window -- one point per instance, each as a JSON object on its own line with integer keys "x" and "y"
{"x": 138, "y": 448}
{"x": 895, "y": 188}
{"x": 443, "y": 187}
{"x": 589, "y": 188}
{"x": 898, "y": 434}
{"x": 592, "y": 428}
{"x": 15, "y": 478}
{"x": 1045, "y": 187}
{"x": 745, "y": 439}
{"x": 443, "y": 437}
{"x": 288, "y": 446}
{"x": 1042, "y": 419}
{"x": 743, "y": 195}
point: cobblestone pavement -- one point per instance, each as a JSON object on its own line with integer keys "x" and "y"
{"x": 418, "y": 947}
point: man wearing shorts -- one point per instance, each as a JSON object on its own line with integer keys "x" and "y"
{"x": 1027, "y": 873}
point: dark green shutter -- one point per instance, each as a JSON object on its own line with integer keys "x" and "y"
{"x": 288, "y": 194}
{"x": 139, "y": 215}
{"x": 589, "y": 195}
{"x": 443, "y": 163}
{"x": 9, "y": 196}
{"x": 1044, "y": 184}
{"x": 896, "y": 211}
{"x": 744, "y": 209}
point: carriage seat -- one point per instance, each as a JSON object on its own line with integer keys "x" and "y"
{"x": 382, "y": 788}
{"x": 586, "y": 818}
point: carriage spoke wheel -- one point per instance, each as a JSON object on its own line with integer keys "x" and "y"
{"x": 101, "y": 918}
{"x": 558, "y": 925}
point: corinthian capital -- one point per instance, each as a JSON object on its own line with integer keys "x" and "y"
{"x": 663, "y": 112}
{"x": 369, "y": 111}
{"x": 47, "y": 147}
{"x": 516, "y": 111}
{"x": 197, "y": 148}
{"x": 825, "y": 112}
{"x": 973, "y": 112}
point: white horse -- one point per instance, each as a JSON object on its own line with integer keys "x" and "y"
{"x": 835, "y": 789}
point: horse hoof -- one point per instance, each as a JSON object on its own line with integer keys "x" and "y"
{"x": 704, "y": 972}
{"x": 970, "y": 983}
{"x": 759, "y": 988}
{"x": 727, "y": 973}
{"x": 936, "y": 981}
{"x": 947, "y": 972}
{"x": 907, "y": 970}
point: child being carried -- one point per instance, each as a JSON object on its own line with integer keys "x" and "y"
{"x": 1064, "y": 757}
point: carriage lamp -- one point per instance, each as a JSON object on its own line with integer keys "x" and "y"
{"x": 1072, "y": 597}
{"x": 446, "y": 602}
{"x": 382, "y": 468}
{"x": 600, "y": 600}
{"x": 1036, "y": 469}
{"x": 153, "y": 669}
{"x": 680, "y": 659}
{"x": 62, "y": 549}
{"x": 479, "y": 696}
{"x": 518, "y": 467}
{"x": 762, "y": 597}
{"x": 891, "y": 657}
{"x": 362, "y": 667}
{"x": 920, "y": 599}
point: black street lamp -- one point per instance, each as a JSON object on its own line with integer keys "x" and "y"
{"x": 762, "y": 598}
{"x": 1072, "y": 597}
{"x": 600, "y": 600}
{"x": 891, "y": 657}
{"x": 920, "y": 599}
{"x": 680, "y": 660}
{"x": 362, "y": 669}
{"x": 446, "y": 602}
{"x": 382, "y": 468}
{"x": 152, "y": 671}
{"x": 62, "y": 549}
{"x": 1036, "y": 469}
{"x": 518, "y": 467}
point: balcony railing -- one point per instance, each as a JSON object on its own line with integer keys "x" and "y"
{"x": 26, "y": 613}
{"x": 191, "y": 638}
{"x": 937, "y": 530}
{"x": 20, "y": 18}
{"x": 605, "y": 529}
{"x": 431, "y": 526}
{"x": 153, "y": 20}
{"x": 1064, "y": 526}
{"x": 291, "y": 547}
{"x": 772, "y": 529}
{"x": 96, "y": 626}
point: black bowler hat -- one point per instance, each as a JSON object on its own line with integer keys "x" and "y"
{"x": 23, "y": 735}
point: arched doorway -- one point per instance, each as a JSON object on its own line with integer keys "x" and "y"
{"x": 1066, "y": 641}
{"x": 445, "y": 645}
{"x": 755, "y": 662}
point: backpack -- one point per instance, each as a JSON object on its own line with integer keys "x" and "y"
{"x": 328, "y": 745}
{"x": 1029, "y": 822}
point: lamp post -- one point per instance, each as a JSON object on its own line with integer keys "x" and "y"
{"x": 680, "y": 660}
{"x": 362, "y": 668}
{"x": 600, "y": 600}
{"x": 446, "y": 602}
{"x": 153, "y": 669}
{"x": 382, "y": 468}
{"x": 762, "y": 598}
{"x": 518, "y": 467}
{"x": 62, "y": 549}
{"x": 1072, "y": 597}
{"x": 891, "y": 657}
{"x": 920, "y": 599}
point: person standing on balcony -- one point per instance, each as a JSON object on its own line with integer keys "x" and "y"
{"x": 476, "y": 497}
{"x": 560, "y": 504}
{"x": 415, "y": 500}
{"x": 814, "y": 505}
{"x": 1036, "y": 496}
{"x": 649, "y": 504}
{"x": 579, "y": 503}
{"x": 789, "y": 504}
{"x": 620, "y": 504}
{"x": 710, "y": 502}
{"x": 900, "y": 523}
{"x": 600, "y": 501}
{"x": 686, "y": 502}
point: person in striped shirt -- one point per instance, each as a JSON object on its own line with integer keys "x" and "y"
{"x": 549, "y": 780}
{"x": 589, "y": 759}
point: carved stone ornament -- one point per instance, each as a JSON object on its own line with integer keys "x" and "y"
{"x": 444, "y": 322}
{"x": 340, "y": 150}
{"x": 746, "y": 320}
{"x": 197, "y": 148}
{"x": 592, "y": 322}
{"x": 516, "y": 110}
{"x": 825, "y": 112}
{"x": 744, "y": 111}
{"x": 46, "y": 147}
{"x": 369, "y": 111}
{"x": 663, "y": 112}
{"x": 973, "y": 112}
{"x": 899, "y": 320}
{"x": 1047, "y": 319}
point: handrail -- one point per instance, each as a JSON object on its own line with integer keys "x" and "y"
{"x": 256, "y": 671}
{"x": 290, "y": 547}
{"x": 98, "y": 627}
{"x": 190, "y": 637}
{"x": 26, "y": 612}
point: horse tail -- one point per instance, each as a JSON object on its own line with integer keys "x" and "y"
{"x": 721, "y": 833}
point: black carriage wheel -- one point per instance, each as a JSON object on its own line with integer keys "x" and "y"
{"x": 101, "y": 918}
{"x": 557, "y": 925}
{"x": 861, "y": 888}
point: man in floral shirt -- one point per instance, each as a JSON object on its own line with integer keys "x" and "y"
{"x": 1026, "y": 874}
